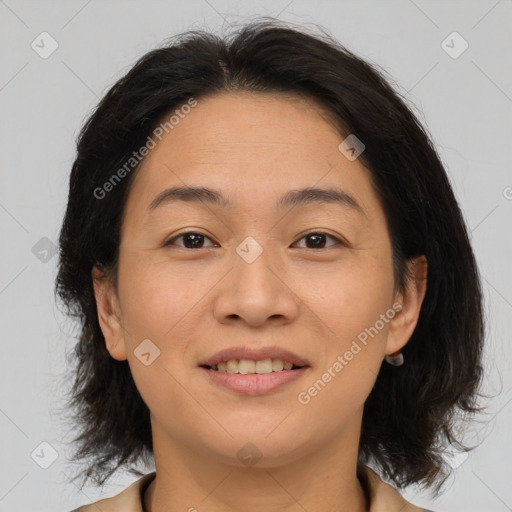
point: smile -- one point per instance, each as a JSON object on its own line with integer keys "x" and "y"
{"x": 251, "y": 382}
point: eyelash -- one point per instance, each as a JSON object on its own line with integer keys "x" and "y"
{"x": 171, "y": 240}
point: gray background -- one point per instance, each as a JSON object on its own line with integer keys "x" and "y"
{"x": 465, "y": 103}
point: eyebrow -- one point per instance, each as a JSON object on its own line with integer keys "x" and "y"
{"x": 292, "y": 198}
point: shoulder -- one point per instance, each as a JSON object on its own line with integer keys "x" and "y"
{"x": 128, "y": 500}
{"x": 384, "y": 497}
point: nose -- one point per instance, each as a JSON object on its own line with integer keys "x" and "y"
{"x": 256, "y": 292}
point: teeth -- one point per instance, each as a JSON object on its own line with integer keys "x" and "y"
{"x": 232, "y": 366}
{"x": 264, "y": 366}
{"x": 277, "y": 365}
{"x": 246, "y": 366}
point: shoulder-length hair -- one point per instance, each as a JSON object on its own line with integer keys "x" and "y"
{"x": 410, "y": 414}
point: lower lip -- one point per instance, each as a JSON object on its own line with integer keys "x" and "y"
{"x": 254, "y": 384}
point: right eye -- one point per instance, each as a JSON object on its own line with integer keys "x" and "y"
{"x": 191, "y": 240}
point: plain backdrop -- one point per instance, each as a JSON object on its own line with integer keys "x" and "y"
{"x": 464, "y": 100}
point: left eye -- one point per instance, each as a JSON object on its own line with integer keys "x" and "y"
{"x": 318, "y": 239}
{"x": 194, "y": 240}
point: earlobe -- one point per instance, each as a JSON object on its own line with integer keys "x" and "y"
{"x": 108, "y": 314}
{"x": 410, "y": 298}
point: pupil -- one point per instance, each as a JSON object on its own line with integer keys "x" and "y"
{"x": 319, "y": 240}
{"x": 196, "y": 240}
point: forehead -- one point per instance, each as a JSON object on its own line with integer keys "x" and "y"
{"x": 253, "y": 146}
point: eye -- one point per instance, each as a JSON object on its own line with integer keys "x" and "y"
{"x": 192, "y": 240}
{"x": 317, "y": 239}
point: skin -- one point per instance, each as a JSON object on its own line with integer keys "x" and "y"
{"x": 193, "y": 302}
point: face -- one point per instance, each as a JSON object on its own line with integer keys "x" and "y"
{"x": 312, "y": 276}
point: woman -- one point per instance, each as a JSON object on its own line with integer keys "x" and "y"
{"x": 275, "y": 282}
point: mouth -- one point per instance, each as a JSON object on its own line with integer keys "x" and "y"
{"x": 248, "y": 370}
{"x": 253, "y": 377}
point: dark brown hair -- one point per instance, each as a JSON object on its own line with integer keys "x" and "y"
{"x": 410, "y": 415}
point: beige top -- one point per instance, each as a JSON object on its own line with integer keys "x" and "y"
{"x": 383, "y": 497}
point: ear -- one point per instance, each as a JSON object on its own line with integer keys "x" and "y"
{"x": 404, "y": 322}
{"x": 107, "y": 305}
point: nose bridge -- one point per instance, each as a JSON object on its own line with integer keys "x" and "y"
{"x": 253, "y": 263}
{"x": 255, "y": 289}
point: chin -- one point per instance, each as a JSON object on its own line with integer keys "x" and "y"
{"x": 258, "y": 448}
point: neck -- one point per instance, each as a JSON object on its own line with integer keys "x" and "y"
{"x": 323, "y": 479}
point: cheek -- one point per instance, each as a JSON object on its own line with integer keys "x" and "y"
{"x": 159, "y": 305}
{"x": 349, "y": 307}
{"x": 351, "y": 296}
{"x": 155, "y": 297}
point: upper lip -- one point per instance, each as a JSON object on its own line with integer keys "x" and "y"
{"x": 255, "y": 354}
